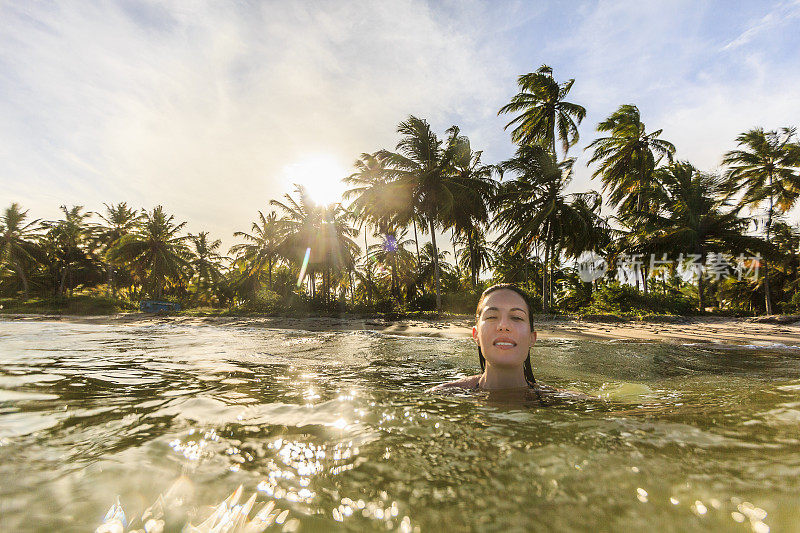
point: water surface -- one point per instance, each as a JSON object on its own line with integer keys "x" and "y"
{"x": 335, "y": 431}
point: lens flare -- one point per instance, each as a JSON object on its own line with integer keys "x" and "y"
{"x": 303, "y": 268}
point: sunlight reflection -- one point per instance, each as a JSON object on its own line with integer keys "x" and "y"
{"x": 193, "y": 449}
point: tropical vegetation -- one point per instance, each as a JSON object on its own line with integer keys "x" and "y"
{"x": 425, "y": 225}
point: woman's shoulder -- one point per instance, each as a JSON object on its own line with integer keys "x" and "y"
{"x": 470, "y": 382}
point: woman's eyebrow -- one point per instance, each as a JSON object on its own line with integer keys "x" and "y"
{"x": 512, "y": 309}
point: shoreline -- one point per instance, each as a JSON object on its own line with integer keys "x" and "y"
{"x": 678, "y": 330}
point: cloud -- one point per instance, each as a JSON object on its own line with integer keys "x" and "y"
{"x": 669, "y": 61}
{"x": 202, "y": 106}
{"x": 782, "y": 15}
{"x": 200, "y": 109}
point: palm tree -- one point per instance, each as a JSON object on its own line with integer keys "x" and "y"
{"x": 322, "y": 232}
{"x": 366, "y": 274}
{"x": 377, "y": 200}
{"x": 70, "y": 236}
{"x": 474, "y": 187}
{"x": 377, "y": 197}
{"x": 627, "y": 160}
{"x": 766, "y": 169}
{"x": 429, "y": 264}
{"x": 301, "y": 224}
{"x": 206, "y": 262}
{"x": 515, "y": 266}
{"x": 693, "y": 219}
{"x": 392, "y": 253}
{"x": 533, "y": 207}
{"x": 544, "y": 113}
{"x": 156, "y": 251}
{"x": 337, "y": 237}
{"x": 477, "y": 254}
{"x": 18, "y": 247}
{"x": 261, "y": 248}
{"x": 420, "y": 171}
{"x": 120, "y": 220}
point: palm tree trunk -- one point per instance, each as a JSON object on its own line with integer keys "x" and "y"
{"x": 109, "y": 270}
{"x": 416, "y": 241}
{"x": 395, "y": 288}
{"x": 366, "y": 266}
{"x": 352, "y": 287}
{"x": 767, "y": 298}
{"x": 24, "y": 279}
{"x": 552, "y": 269}
{"x": 436, "y": 268}
{"x": 700, "y": 287}
{"x": 472, "y": 266}
{"x": 62, "y": 282}
{"x": 644, "y": 277}
{"x": 545, "y": 303}
{"x": 455, "y": 254}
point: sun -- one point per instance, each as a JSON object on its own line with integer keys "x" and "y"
{"x": 320, "y": 174}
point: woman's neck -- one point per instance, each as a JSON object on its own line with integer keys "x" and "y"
{"x": 501, "y": 378}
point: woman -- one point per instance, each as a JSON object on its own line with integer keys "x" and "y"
{"x": 504, "y": 334}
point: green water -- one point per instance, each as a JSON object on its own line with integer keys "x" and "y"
{"x": 334, "y": 431}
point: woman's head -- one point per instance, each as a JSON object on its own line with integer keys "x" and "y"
{"x": 504, "y": 328}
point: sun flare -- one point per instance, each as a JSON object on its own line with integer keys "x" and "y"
{"x": 320, "y": 174}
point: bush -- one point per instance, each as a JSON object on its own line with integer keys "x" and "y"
{"x": 618, "y": 299}
{"x": 263, "y": 301}
{"x": 792, "y": 307}
{"x": 463, "y": 303}
{"x": 80, "y": 304}
{"x": 385, "y": 305}
{"x": 425, "y": 302}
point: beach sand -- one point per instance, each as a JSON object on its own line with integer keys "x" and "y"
{"x": 759, "y": 331}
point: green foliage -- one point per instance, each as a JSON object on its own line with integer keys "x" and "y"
{"x": 385, "y": 305}
{"x": 424, "y": 302}
{"x": 440, "y": 186}
{"x": 264, "y": 301}
{"x": 460, "y": 302}
{"x": 81, "y": 304}
{"x": 792, "y": 307}
{"x": 543, "y": 111}
{"x": 618, "y": 299}
{"x": 627, "y": 159}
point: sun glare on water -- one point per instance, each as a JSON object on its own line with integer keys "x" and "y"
{"x": 321, "y": 175}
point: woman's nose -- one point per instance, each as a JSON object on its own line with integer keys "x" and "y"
{"x": 504, "y": 323}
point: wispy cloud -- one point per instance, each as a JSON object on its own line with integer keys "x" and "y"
{"x": 784, "y": 14}
{"x": 200, "y": 109}
{"x": 201, "y": 106}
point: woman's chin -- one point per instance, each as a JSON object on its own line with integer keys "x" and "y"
{"x": 506, "y": 360}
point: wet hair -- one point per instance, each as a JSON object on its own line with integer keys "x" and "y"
{"x": 527, "y": 369}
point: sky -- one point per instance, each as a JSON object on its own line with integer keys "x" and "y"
{"x": 212, "y": 109}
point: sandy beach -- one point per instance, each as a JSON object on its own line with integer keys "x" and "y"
{"x": 760, "y": 330}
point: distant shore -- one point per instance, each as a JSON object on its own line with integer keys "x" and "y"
{"x": 674, "y": 329}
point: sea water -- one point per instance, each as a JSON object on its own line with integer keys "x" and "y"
{"x": 157, "y": 425}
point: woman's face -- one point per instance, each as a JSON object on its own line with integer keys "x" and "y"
{"x": 503, "y": 329}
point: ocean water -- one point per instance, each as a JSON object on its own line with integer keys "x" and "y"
{"x": 160, "y": 426}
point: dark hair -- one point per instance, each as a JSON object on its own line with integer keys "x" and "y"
{"x": 527, "y": 369}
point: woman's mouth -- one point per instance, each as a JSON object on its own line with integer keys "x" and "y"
{"x": 504, "y": 344}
